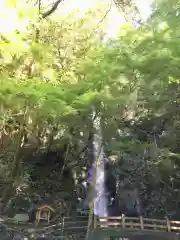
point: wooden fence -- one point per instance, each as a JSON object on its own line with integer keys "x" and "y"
{"x": 136, "y": 223}
{"x": 80, "y": 224}
{"x": 74, "y": 224}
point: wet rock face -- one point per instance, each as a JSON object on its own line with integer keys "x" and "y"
{"x": 86, "y": 193}
{"x": 128, "y": 204}
{"x": 110, "y": 181}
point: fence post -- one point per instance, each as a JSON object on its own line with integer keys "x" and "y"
{"x": 95, "y": 222}
{"x": 62, "y": 226}
{"x": 142, "y": 223}
{"x": 123, "y": 220}
{"x": 168, "y": 224}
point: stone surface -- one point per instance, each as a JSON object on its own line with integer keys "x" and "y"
{"x": 1, "y": 220}
{"x": 21, "y": 217}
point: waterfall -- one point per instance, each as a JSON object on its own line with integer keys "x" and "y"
{"x": 100, "y": 198}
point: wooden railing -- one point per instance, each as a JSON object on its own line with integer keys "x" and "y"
{"x": 121, "y": 224}
{"x": 77, "y": 223}
{"x": 127, "y": 224}
{"x": 136, "y": 223}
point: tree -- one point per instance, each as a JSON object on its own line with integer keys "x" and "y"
{"x": 50, "y": 82}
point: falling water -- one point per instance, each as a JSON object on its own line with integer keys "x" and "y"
{"x": 100, "y": 200}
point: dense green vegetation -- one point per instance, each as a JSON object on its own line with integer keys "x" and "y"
{"x": 55, "y": 69}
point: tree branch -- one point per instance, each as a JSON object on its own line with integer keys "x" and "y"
{"x": 53, "y": 9}
{"x": 106, "y": 13}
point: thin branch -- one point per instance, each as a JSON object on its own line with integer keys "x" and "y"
{"x": 106, "y": 13}
{"x": 65, "y": 161}
{"x": 53, "y": 9}
{"x": 39, "y": 6}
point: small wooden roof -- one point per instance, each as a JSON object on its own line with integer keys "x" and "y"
{"x": 46, "y": 206}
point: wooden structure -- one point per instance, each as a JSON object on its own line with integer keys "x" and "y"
{"x": 44, "y": 213}
{"x": 140, "y": 223}
{"x": 124, "y": 227}
{"x": 132, "y": 228}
